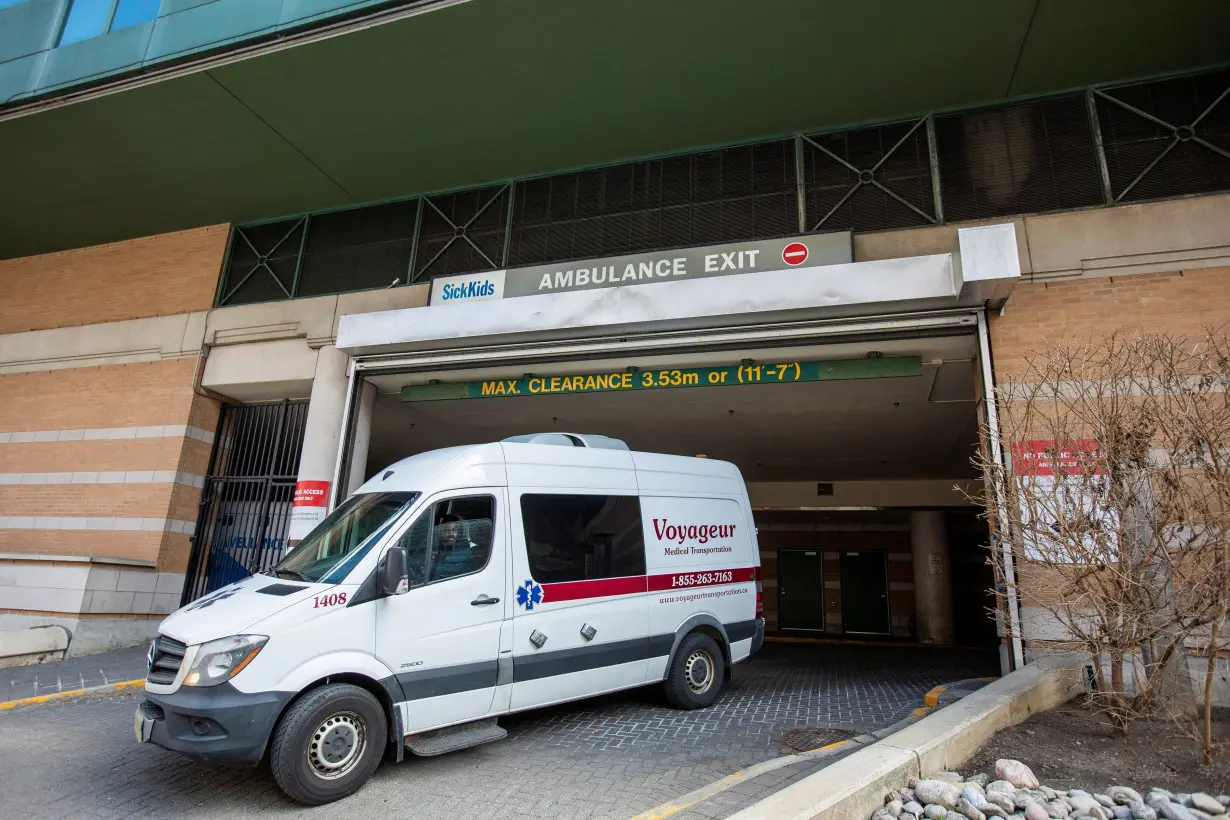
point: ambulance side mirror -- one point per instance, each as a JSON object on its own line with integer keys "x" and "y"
{"x": 394, "y": 572}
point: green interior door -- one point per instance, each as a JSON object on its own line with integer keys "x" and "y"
{"x": 864, "y": 592}
{"x": 800, "y": 590}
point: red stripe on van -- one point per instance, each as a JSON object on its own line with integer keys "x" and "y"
{"x": 600, "y": 588}
{"x": 705, "y": 578}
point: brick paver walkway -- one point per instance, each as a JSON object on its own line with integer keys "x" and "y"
{"x": 611, "y": 757}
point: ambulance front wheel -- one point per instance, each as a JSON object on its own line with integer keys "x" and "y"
{"x": 696, "y": 673}
{"x": 328, "y": 744}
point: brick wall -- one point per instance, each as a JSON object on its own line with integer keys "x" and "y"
{"x": 152, "y": 276}
{"x": 104, "y": 461}
{"x": 1183, "y": 302}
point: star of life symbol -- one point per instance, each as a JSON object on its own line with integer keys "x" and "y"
{"x": 529, "y": 594}
{"x": 220, "y": 595}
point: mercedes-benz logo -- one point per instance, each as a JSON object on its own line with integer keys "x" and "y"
{"x": 149, "y": 656}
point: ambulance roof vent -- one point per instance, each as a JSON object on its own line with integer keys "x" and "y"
{"x": 571, "y": 440}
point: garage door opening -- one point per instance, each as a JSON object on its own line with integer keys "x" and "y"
{"x": 852, "y": 452}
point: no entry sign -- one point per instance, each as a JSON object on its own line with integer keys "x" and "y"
{"x": 794, "y": 254}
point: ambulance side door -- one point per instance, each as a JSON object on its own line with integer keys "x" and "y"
{"x": 442, "y": 637}
{"x": 580, "y": 614}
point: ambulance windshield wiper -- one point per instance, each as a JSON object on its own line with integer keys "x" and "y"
{"x": 292, "y": 573}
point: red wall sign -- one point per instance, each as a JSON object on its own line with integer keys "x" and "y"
{"x": 312, "y": 494}
{"x": 1045, "y": 458}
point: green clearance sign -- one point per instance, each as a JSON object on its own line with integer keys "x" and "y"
{"x": 748, "y": 373}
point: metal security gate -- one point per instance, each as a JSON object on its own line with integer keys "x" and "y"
{"x": 248, "y": 494}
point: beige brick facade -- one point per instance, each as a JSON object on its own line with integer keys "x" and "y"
{"x": 130, "y": 395}
{"x": 76, "y": 513}
{"x": 103, "y": 463}
{"x": 187, "y": 455}
{"x": 152, "y": 276}
{"x": 1184, "y": 302}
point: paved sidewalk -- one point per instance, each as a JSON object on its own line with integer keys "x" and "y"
{"x": 607, "y": 758}
{"x": 74, "y": 673}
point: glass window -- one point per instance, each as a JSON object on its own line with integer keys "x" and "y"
{"x": 582, "y": 537}
{"x": 332, "y": 549}
{"x": 91, "y": 18}
{"x": 452, "y": 539}
{"x": 132, "y": 12}
{"x": 86, "y": 19}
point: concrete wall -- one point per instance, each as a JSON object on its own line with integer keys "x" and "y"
{"x": 931, "y": 493}
{"x": 1155, "y": 237}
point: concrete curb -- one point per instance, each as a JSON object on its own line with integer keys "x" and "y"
{"x": 730, "y": 781}
{"x": 853, "y": 787}
{"x": 72, "y": 694}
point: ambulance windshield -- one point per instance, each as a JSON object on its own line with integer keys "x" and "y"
{"x": 340, "y": 541}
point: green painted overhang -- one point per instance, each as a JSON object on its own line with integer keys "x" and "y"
{"x": 490, "y": 89}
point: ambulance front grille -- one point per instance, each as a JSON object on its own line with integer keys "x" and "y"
{"x": 165, "y": 658}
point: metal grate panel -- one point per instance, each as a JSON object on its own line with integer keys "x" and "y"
{"x": 263, "y": 262}
{"x": 869, "y": 179}
{"x": 462, "y": 232}
{"x": 358, "y": 249}
{"x": 708, "y": 198}
{"x": 1028, "y": 158}
{"x": 1168, "y": 137}
{"x": 246, "y": 502}
{"x": 1150, "y": 140}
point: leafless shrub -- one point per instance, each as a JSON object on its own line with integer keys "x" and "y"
{"x": 1112, "y": 497}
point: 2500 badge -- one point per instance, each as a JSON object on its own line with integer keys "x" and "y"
{"x": 701, "y": 578}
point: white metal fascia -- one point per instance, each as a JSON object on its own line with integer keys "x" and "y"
{"x": 744, "y": 337}
{"x": 856, "y": 289}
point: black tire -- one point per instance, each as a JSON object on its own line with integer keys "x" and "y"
{"x": 696, "y": 674}
{"x": 314, "y": 756}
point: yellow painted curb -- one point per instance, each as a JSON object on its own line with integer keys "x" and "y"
{"x": 71, "y": 694}
{"x": 932, "y": 698}
{"x": 705, "y": 792}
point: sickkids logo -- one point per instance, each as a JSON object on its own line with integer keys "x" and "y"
{"x": 468, "y": 290}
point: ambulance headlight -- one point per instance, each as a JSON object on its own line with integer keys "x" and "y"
{"x": 221, "y": 660}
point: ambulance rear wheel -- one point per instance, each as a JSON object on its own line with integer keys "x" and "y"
{"x": 696, "y": 673}
{"x": 328, "y": 744}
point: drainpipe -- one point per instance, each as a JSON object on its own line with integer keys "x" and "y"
{"x": 997, "y": 454}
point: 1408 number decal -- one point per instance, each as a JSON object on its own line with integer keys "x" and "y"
{"x": 702, "y": 578}
{"x": 328, "y": 600}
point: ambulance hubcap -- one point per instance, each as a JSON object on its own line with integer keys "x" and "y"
{"x": 699, "y": 671}
{"x": 336, "y": 745}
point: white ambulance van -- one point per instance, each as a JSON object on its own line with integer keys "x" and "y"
{"x": 457, "y": 586}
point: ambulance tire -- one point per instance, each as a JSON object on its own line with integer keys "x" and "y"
{"x": 328, "y": 744}
{"x": 696, "y": 674}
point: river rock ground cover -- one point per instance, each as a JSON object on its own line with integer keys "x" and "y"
{"x": 1084, "y": 771}
{"x": 1071, "y": 748}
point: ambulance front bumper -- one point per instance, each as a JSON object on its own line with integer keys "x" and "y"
{"x": 217, "y": 724}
